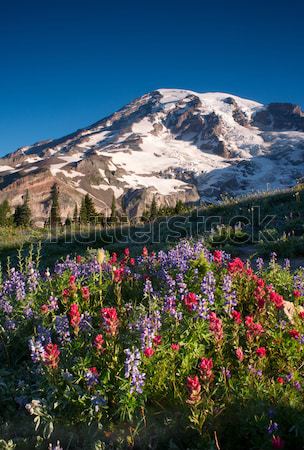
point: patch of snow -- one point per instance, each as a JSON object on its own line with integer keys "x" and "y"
{"x": 71, "y": 158}
{"x": 6, "y": 168}
{"x": 93, "y": 139}
{"x": 103, "y": 175}
{"x": 162, "y": 152}
{"x": 30, "y": 169}
{"x": 82, "y": 191}
{"x": 33, "y": 159}
{"x": 72, "y": 173}
{"x": 145, "y": 126}
{"x": 56, "y": 168}
{"x": 164, "y": 186}
{"x": 105, "y": 187}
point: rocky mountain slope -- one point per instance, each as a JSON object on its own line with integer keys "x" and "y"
{"x": 175, "y": 144}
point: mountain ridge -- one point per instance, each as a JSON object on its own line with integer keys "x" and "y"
{"x": 172, "y": 143}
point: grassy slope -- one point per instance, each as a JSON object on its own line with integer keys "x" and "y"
{"x": 285, "y": 232}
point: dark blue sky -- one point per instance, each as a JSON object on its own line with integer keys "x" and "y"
{"x": 66, "y": 64}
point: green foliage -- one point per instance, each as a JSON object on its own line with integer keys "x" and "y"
{"x": 88, "y": 213}
{"x": 113, "y": 216}
{"x": 235, "y": 399}
{"x": 83, "y": 216}
{"x": 75, "y": 214}
{"x": 68, "y": 222}
{"x": 22, "y": 215}
{"x": 5, "y": 214}
{"x": 153, "y": 209}
{"x": 55, "y": 218}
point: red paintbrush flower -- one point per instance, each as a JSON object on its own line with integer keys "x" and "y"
{"x": 110, "y": 320}
{"x": 261, "y": 352}
{"x": 190, "y": 301}
{"x": 148, "y": 352}
{"x": 74, "y": 315}
{"x": 157, "y": 340}
{"x": 98, "y": 342}
{"x": 51, "y": 355}
{"x": 236, "y": 315}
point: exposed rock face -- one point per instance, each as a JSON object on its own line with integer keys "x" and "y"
{"x": 280, "y": 117}
{"x": 174, "y": 144}
{"x": 239, "y": 116}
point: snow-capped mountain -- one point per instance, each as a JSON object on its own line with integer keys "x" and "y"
{"x": 175, "y": 144}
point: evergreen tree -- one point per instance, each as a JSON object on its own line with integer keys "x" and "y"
{"x": 113, "y": 217}
{"x": 75, "y": 214}
{"x": 68, "y": 222}
{"x": 55, "y": 219}
{"x": 22, "y": 215}
{"x": 145, "y": 216}
{"x": 153, "y": 209}
{"x": 91, "y": 213}
{"x": 5, "y": 213}
{"x": 83, "y": 218}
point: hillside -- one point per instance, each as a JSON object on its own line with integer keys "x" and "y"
{"x": 281, "y": 230}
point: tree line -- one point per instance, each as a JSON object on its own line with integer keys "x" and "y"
{"x": 86, "y": 214}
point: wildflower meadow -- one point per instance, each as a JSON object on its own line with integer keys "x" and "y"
{"x": 180, "y": 349}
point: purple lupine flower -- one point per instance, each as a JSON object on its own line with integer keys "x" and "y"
{"x": 37, "y": 350}
{"x": 5, "y": 306}
{"x": 181, "y": 285}
{"x": 92, "y": 376}
{"x": 202, "y": 309}
{"x": 98, "y": 402}
{"x": 297, "y": 385}
{"x": 128, "y": 307}
{"x": 53, "y": 303}
{"x": 28, "y": 312}
{"x": 298, "y": 281}
{"x": 289, "y": 377}
{"x": 226, "y": 372}
{"x": 15, "y": 285}
{"x": 180, "y": 256}
{"x": 286, "y": 264}
{"x": 208, "y": 287}
{"x": 257, "y": 372}
{"x": 62, "y": 329}
{"x": 148, "y": 288}
{"x": 9, "y": 325}
{"x": 229, "y": 294}
{"x": 260, "y": 264}
{"x": 148, "y": 326}
{"x": 169, "y": 305}
{"x": 44, "y": 335}
{"x": 85, "y": 322}
{"x": 272, "y": 427}
{"x": 281, "y": 324}
{"x": 273, "y": 259}
{"x": 32, "y": 278}
{"x": 170, "y": 283}
{"x": 132, "y": 372}
{"x": 84, "y": 270}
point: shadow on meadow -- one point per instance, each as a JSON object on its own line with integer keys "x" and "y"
{"x": 240, "y": 425}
